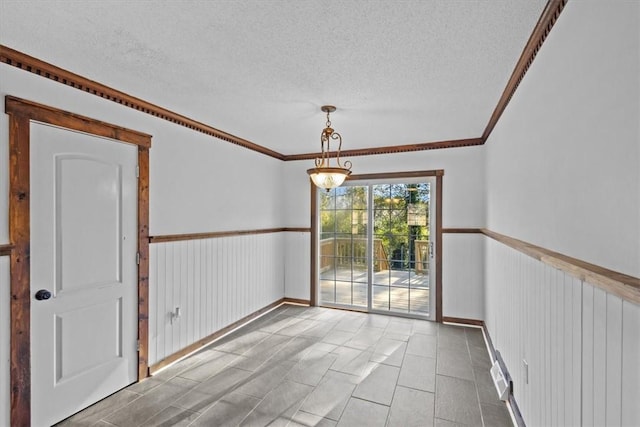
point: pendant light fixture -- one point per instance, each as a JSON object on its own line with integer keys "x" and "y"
{"x": 324, "y": 175}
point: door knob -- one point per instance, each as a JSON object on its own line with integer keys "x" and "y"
{"x": 43, "y": 294}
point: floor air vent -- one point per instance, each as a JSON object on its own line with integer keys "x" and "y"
{"x": 501, "y": 378}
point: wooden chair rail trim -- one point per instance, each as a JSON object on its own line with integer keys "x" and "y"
{"x": 218, "y": 234}
{"x": 462, "y": 230}
{"x": 33, "y": 65}
{"x": 540, "y": 32}
{"x": 214, "y": 336}
{"x": 5, "y": 250}
{"x": 625, "y": 286}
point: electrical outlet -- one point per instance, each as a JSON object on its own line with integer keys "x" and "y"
{"x": 175, "y": 315}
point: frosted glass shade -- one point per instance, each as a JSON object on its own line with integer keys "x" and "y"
{"x": 328, "y": 178}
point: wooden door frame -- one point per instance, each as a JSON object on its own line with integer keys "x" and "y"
{"x": 438, "y": 173}
{"x": 21, "y": 113}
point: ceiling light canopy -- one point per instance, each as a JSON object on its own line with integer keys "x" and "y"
{"x": 324, "y": 175}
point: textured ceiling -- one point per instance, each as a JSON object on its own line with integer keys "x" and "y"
{"x": 400, "y": 72}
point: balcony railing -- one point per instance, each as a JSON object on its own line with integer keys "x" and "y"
{"x": 345, "y": 251}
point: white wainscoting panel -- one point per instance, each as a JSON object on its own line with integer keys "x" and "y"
{"x": 5, "y": 400}
{"x": 463, "y": 275}
{"x": 581, "y": 344}
{"x": 297, "y": 265}
{"x": 214, "y": 282}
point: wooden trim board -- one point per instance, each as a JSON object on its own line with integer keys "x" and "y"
{"x": 218, "y": 234}
{"x": 463, "y": 321}
{"x": 313, "y": 264}
{"x": 5, "y": 250}
{"x": 462, "y": 230}
{"x": 455, "y": 143}
{"x": 21, "y": 113}
{"x": 625, "y": 286}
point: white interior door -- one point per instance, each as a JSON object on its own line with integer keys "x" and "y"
{"x": 83, "y": 253}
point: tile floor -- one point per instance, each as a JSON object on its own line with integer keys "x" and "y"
{"x": 310, "y": 366}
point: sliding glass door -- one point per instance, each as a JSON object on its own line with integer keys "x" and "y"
{"x": 376, "y": 246}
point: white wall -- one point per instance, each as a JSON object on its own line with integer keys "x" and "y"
{"x": 297, "y": 262}
{"x": 563, "y": 163}
{"x": 197, "y": 184}
{"x": 463, "y": 206}
{"x": 214, "y": 282}
{"x": 581, "y": 344}
{"x": 463, "y": 276}
{"x": 563, "y": 173}
{"x": 464, "y": 189}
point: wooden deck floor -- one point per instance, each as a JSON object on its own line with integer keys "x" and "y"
{"x": 400, "y": 291}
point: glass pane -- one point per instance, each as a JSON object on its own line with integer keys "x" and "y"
{"x": 382, "y": 278}
{"x": 380, "y": 299}
{"x": 343, "y": 197}
{"x": 399, "y": 299}
{"x": 327, "y": 200}
{"x": 343, "y": 292}
{"x": 359, "y": 199}
{"x": 327, "y": 222}
{"x": 420, "y": 301}
{"x": 343, "y": 221}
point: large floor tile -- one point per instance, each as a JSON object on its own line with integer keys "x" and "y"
{"x": 152, "y": 403}
{"x": 418, "y": 372}
{"x": 312, "y": 368}
{"x": 411, "y": 408}
{"x": 439, "y": 422}
{"x": 172, "y": 416}
{"x": 425, "y": 327}
{"x": 305, "y": 419}
{"x": 487, "y": 392}
{"x": 240, "y": 343}
{"x": 281, "y": 403}
{"x": 422, "y": 345}
{"x": 101, "y": 409}
{"x": 228, "y": 411}
{"x": 267, "y": 347}
{"x": 379, "y": 385}
{"x": 261, "y": 382}
{"x": 454, "y": 363}
{"x": 338, "y": 337}
{"x": 330, "y": 397}
{"x": 360, "y": 413}
{"x": 496, "y": 415}
{"x": 210, "y": 368}
{"x": 207, "y": 393}
{"x": 457, "y": 400}
{"x": 365, "y": 338}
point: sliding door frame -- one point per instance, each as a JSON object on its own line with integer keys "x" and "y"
{"x": 438, "y": 173}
